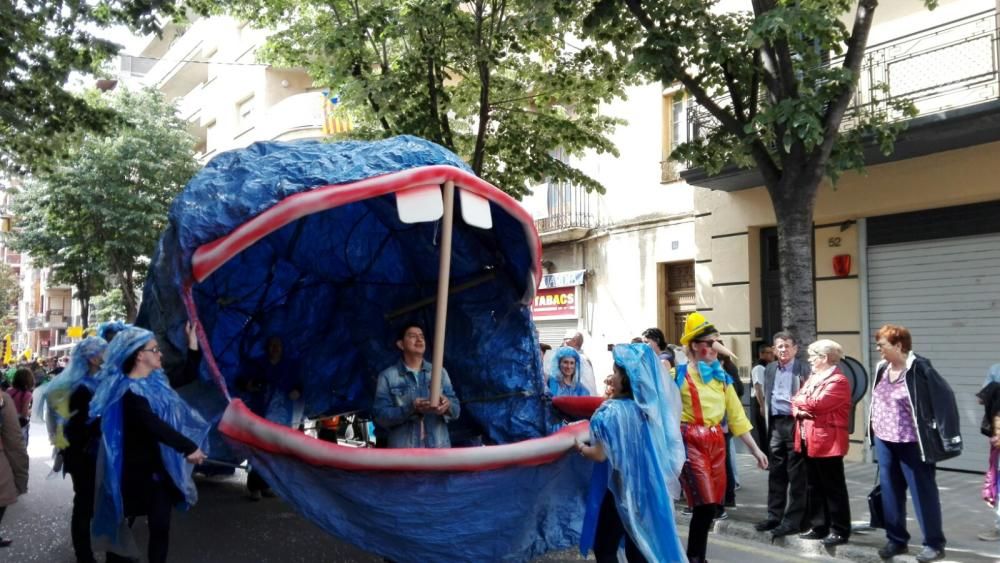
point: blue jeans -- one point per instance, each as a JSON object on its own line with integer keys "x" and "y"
{"x": 900, "y": 467}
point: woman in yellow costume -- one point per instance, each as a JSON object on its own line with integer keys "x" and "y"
{"x": 707, "y": 397}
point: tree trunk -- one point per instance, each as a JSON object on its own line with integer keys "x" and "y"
{"x": 128, "y": 295}
{"x": 793, "y": 208}
{"x": 84, "y": 308}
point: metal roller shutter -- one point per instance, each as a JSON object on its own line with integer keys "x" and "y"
{"x": 947, "y": 293}
{"x": 552, "y": 332}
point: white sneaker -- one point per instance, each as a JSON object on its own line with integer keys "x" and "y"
{"x": 992, "y": 535}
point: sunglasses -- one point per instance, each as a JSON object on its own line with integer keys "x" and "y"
{"x": 708, "y": 341}
{"x": 154, "y": 349}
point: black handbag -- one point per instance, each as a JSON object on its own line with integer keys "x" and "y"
{"x": 875, "y": 505}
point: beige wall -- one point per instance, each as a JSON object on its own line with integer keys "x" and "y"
{"x": 621, "y": 296}
{"x": 727, "y": 239}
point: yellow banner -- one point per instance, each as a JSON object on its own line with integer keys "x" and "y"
{"x": 74, "y": 331}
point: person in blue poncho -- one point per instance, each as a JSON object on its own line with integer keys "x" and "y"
{"x": 68, "y": 398}
{"x": 149, "y": 439}
{"x": 564, "y": 375}
{"x": 635, "y": 435}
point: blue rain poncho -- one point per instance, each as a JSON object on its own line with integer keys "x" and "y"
{"x": 108, "y": 330}
{"x": 108, "y": 528}
{"x": 556, "y": 386}
{"x": 642, "y": 440}
{"x": 61, "y": 388}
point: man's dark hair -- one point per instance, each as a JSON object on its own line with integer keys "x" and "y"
{"x": 785, "y": 335}
{"x": 402, "y": 332}
{"x": 656, "y": 335}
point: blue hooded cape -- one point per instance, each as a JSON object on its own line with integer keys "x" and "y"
{"x": 61, "y": 388}
{"x": 107, "y": 528}
{"x": 641, "y": 437}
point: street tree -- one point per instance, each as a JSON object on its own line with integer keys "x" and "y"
{"x": 10, "y": 294}
{"x": 777, "y": 81}
{"x": 101, "y": 209}
{"x": 44, "y": 42}
{"x": 500, "y": 82}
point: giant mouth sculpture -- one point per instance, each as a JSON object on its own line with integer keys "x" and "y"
{"x": 318, "y": 244}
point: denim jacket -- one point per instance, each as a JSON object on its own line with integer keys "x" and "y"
{"x": 393, "y": 407}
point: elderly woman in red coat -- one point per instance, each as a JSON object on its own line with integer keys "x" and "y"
{"x": 821, "y": 409}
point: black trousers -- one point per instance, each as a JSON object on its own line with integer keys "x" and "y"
{"x": 255, "y": 482}
{"x": 610, "y": 531}
{"x": 701, "y": 523}
{"x": 829, "y": 507}
{"x": 786, "y": 484}
{"x": 161, "y": 501}
{"x": 83, "y": 511}
{"x": 730, "y": 474}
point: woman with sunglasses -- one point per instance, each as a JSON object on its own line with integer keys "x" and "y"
{"x": 149, "y": 443}
{"x": 707, "y": 396}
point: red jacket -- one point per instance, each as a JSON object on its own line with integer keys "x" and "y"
{"x": 821, "y": 408}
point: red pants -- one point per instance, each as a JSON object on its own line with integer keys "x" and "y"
{"x": 704, "y": 474}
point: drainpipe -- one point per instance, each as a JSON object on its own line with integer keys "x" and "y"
{"x": 865, "y": 326}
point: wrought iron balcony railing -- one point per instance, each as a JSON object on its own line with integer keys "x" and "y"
{"x": 568, "y": 208}
{"x": 949, "y": 66}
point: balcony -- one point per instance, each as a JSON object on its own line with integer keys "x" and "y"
{"x": 569, "y": 214}
{"x": 295, "y": 117}
{"x": 950, "y": 72}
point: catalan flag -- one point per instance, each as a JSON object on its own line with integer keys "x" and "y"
{"x": 333, "y": 124}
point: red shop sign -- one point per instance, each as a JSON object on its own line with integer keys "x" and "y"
{"x": 555, "y": 303}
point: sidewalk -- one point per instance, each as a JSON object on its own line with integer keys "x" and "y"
{"x": 965, "y": 515}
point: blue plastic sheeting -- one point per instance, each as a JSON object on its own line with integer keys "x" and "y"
{"x": 512, "y": 514}
{"x": 642, "y": 440}
{"x": 108, "y": 529}
{"x": 327, "y": 285}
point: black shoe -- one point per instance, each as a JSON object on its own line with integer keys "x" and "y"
{"x": 783, "y": 530}
{"x": 722, "y": 515}
{"x": 930, "y": 554}
{"x": 892, "y": 549}
{"x": 766, "y": 525}
{"x": 834, "y": 539}
{"x": 5, "y": 543}
{"x": 814, "y": 534}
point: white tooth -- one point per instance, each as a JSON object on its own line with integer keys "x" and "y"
{"x": 475, "y": 210}
{"x": 420, "y": 204}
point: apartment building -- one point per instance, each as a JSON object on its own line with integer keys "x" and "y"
{"x": 209, "y": 68}
{"x": 914, "y": 241}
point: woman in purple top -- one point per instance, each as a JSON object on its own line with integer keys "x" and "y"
{"x": 904, "y": 401}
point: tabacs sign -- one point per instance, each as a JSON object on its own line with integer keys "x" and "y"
{"x": 555, "y": 303}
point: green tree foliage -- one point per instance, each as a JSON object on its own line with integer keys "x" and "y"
{"x": 10, "y": 295}
{"x": 96, "y": 216}
{"x": 109, "y": 306}
{"x": 500, "y": 82}
{"x": 777, "y": 83}
{"x": 41, "y": 44}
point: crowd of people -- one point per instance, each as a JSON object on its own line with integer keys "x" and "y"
{"x": 663, "y": 435}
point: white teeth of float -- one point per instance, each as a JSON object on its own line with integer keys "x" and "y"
{"x": 475, "y": 210}
{"x": 420, "y": 204}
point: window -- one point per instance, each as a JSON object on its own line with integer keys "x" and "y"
{"x": 245, "y": 113}
{"x": 678, "y": 120}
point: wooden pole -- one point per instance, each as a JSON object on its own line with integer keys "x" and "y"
{"x": 444, "y": 275}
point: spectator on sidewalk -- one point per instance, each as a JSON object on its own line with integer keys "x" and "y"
{"x": 821, "y": 409}
{"x": 732, "y": 473}
{"x": 707, "y": 395}
{"x": 786, "y": 484}
{"x": 989, "y": 397}
{"x": 13, "y": 459}
{"x": 914, "y": 424}
{"x": 631, "y": 494}
{"x": 658, "y": 342}
{"x": 21, "y": 390}
{"x": 765, "y": 355}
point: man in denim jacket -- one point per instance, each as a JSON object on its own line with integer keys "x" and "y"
{"x": 402, "y": 405}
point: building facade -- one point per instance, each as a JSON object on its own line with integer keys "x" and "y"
{"x": 913, "y": 241}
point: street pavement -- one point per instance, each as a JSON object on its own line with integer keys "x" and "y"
{"x": 225, "y": 527}
{"x": 964, "y": 514}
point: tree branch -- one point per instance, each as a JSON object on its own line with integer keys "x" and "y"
{"x": 856, "y": 46}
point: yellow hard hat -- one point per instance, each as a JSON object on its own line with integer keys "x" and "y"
{"x": 694, "y": 326}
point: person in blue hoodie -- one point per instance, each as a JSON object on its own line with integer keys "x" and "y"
{"x": 635, "y": 438}
{"x": 149, "y": 443}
